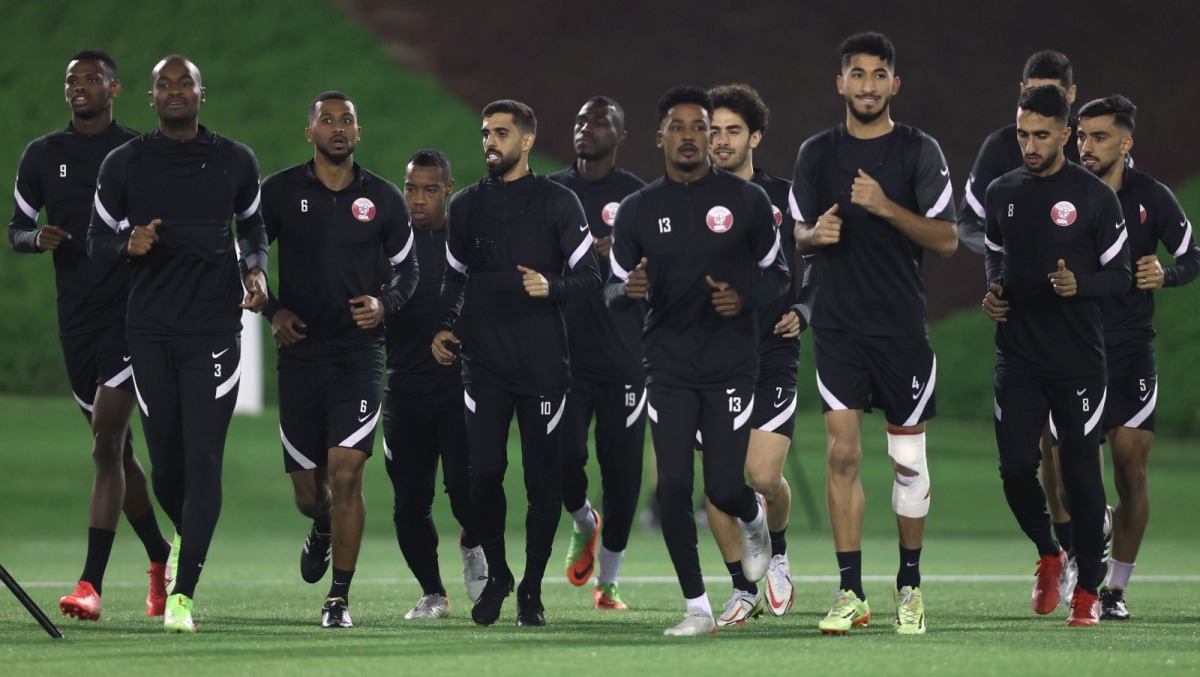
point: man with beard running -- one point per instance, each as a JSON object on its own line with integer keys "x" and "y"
{"x": 885, "y": 186}
{"x": 607, "y": 376}
{"x": 740, "y": 119}
{"x": 517, "y": 248}
{"x": 333, "y": 221}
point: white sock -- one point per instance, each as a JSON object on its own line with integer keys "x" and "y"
{"x": 699, "y": 605}
{"x": 610, "y": 565}
{"x": 585, "y": 519}
{"x": 1118, "y": 577}
{"x": 755, "y": 523}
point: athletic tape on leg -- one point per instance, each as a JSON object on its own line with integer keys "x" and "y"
{"x": 910, "y": 493}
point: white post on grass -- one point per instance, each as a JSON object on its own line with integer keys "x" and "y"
{"x": 250, "y": 390}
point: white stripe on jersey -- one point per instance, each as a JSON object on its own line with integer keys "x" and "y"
{"x": 795, "y": 208}
{"x": 224, "y": 388}
{"x": 557, "y": 416}
{"x": 773, "y": 424}
{"x": 767, "y": 260}
{"x": 469, "y": 401}
{"x": 359, "y": 434}
{"x": 632, "y": 418}
{"x": 292, "y": 451}
{"x": 403, "y": 254}
{"x": 579, "y": 251}
{"x": 1099, "y": 413}
{"x": 455, "y": 263}
{"x": 1186, "y": 242}
{"x": 972, "y": 201}
{"x": 740, "y": 419}
{"x": 252, "y": 208}
{"x": 992, "y": 245}
{"x": 942, "y": 201}
{"x": 119, "y": 378}
{"x": 25, "y": 207}
{"x": 834, "y": 403}
{"x": 618, "y": 270}
{"x": 920, "y": 408}
{"x": 1115, "y": 249}
{"x": 116, "y": 225}
{"x": 1144, "y": 414}
{"x": 86, "y": 407}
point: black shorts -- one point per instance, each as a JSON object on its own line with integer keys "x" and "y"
{"x": 774, "y": 409}
{"x": 100, "y": 358}
{"x": 1023, "y": 404}
{"x": 895, "y": 373}
{"x": 322, "y": 406}
{"x": 1132, "y": 386}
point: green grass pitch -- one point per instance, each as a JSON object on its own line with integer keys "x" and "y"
{"x": 257, "y": 617}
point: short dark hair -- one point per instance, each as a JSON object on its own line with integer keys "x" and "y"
{"x": 745, "y": 101}
{"x": 683, "y": 94}
{"x": 430, "y": 157}
{"x": 179, "y": 57}
{"x": 521, "y": 113}
{"x": 875, "y": 44}
{"x": 612, "y": 105}
{"x": 97, "y": 55}
{"x": 330, "y": 95}
{"x": 1120, "y": 107}
{"x": 1049, "y": 65}
{"x": 1046, "y": 100}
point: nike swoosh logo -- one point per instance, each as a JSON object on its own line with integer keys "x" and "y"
{"x": 917, "y": 394}
{"x": 911, "y": 564}
{"x": 729, "y": 391}
{"x": 782, "y": 402}
{"x": 364, "y": 418}
{"x": 1144, "y": 397}
{"x": 844, "y": 569}
{"x": 945, "y": 171}
{"x": 583, "y": 228}
{"x": 126, "y": 358}
{"x": 216, "y": 355}
{"x": 583, "y": 573}
{"x": 1121, "y": 224}
{"x": 1080, "y": 392}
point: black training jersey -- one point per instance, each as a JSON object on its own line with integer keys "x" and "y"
{"x": 1032, "y": 222}
{"x": 1000, "y": 153}
{"x": 778, "y": 190}
{"x": 606, "y": 345}
{"x": 189, "y": 282}
{"x": 509, "y": 337}
{"x": 329, "y": 245}
{"x": 410, "y": 364}
{"x": 1152, "y": 215}
{"x": 58, "y": 172}
{"x": 719, "y": 225}
{"x": 869, "y": 283}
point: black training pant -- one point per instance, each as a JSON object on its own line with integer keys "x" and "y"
{"x": 1075, "y": 410}
{"x": 489, "y": 412}
{"x": 418, "y": 430}
{"x": 620, "y": 440}
{"x": 186, "y": 389}
{"x": 722, "y": 416}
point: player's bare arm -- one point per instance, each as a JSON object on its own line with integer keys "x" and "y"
{"x": 936, "y": 235}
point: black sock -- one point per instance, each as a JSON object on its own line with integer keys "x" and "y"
{"x": 910, "y": 568}
{"x": 146, "y": 528}
{"x": 850, "y": 566}
{"x": 778, "y": 542}
{"x": 340, "y": 587}
{"x": 99, "y": 546}
{"x": 322, "y": 523}
{"x": 1065, "y": 533}
{"x": 739, "y": 578}
{"x": 529, "y": 588}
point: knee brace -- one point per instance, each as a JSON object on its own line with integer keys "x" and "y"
{"x": 910, "y": 493}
